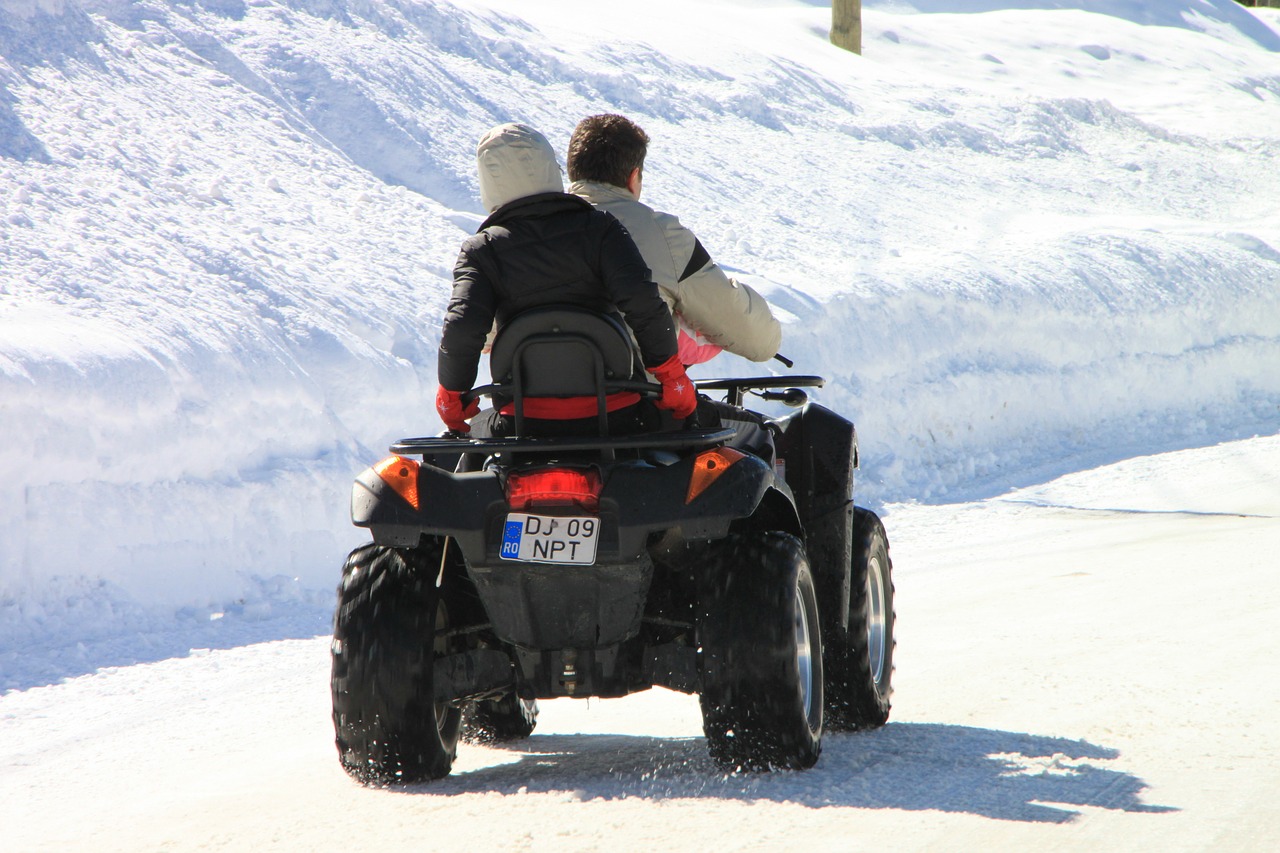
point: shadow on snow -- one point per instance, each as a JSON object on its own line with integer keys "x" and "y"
{"x": 910, "y": 766}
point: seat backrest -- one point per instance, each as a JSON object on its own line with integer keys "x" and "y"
{"x": 561, "y": 351}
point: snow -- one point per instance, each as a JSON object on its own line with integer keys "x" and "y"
{"x": 1080, "y": 664}
{"x": 1033, "y": 245}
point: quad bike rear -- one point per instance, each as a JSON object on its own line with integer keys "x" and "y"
{"x": 507, "y": 570}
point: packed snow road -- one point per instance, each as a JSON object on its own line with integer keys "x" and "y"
{"x": 1086, "y": 664}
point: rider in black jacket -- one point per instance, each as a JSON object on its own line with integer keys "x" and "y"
{"x": 541, "y": 246}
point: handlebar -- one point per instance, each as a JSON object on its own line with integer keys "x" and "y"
{"x": 736, "y": 389}
{"x": 754, "y": 382}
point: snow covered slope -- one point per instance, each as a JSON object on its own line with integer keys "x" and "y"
{"x": 1020, "y": 237}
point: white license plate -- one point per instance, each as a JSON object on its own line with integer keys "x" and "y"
{"x": 550, "y": 539}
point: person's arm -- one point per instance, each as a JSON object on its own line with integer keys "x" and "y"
{"x": 467, "y": 321}
{"x": 728, "y": 313}
{"x": 627, "y": 282}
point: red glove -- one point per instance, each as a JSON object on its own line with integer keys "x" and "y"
{"x": 677, "y": 390}
{"x": 452, "y": 412}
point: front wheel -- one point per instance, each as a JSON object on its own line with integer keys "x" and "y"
{"x": 762, "y": 687}
{"x": 387, "y": 631}
{"x": 860, "y": 660}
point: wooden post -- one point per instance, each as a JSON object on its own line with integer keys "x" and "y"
{"x": 846, "y": 24}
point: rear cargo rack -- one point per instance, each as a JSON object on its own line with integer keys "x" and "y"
{"x": 682, "y": 440}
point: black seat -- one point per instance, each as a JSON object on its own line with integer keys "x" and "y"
{"x": 563, "y": 351}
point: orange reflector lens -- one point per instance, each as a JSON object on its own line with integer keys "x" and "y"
{"x": 402, "y": 475}
{"x": 555, "y": 487}
{"x": 708, "y": 467}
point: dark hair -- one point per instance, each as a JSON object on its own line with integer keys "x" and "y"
{"x": 606, "y": 148}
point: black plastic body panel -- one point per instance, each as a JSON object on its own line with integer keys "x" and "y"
{"x": 582, "y": 630}
{"x": 638, "y": 500}
{"x": 819, "y": 450}
{"x": 540, "y": 606}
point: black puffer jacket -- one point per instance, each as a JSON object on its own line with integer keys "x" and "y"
{"x": 551, "y": 248}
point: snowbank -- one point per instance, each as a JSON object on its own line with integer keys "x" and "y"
{"x": 1019, "y": 239}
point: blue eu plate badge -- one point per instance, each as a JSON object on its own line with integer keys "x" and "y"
{"x": 511, "y": 539}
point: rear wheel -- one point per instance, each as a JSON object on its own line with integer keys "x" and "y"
{"x": 860, "y": 660}
{"x": 762, "y": 689}
{"x": 497, "y": 720}
{"x": 387, "y": 632}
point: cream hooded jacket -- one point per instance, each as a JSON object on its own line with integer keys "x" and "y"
{"x": 710, "y": 306}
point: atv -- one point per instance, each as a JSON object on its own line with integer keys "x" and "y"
{"x": 507, "y": 570}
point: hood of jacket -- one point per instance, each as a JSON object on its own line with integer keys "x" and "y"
{"x": 514, "y": 161}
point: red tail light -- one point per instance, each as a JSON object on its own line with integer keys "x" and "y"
{"x": 554, "y": 487}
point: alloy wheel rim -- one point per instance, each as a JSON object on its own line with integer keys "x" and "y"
{"x": 804, "y": 656}
{"x": 875, "y": 620}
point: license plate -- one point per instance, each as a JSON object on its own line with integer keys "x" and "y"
{"x": 550, "y": 539}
